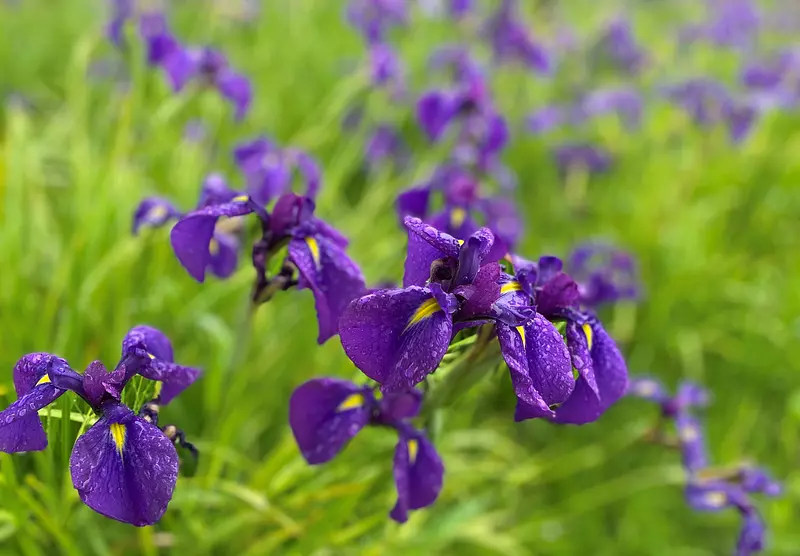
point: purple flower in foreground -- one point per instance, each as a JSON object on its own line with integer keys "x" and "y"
{"x": 603, "y": 274}
{"x": 172, "y": 379}
{"x": 123, "y": 467}
{"x": 269, "y": 169}
{"x": 325, "y": 413}
{"x": 315, "y": 250}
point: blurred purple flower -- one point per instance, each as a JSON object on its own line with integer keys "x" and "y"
{"x": 617, "y": 47}
{"x": 511, "y": 41}
{"x": 573, "y": 157}
{"x": 604, "y": 274}
{"x": 373, "y": 18}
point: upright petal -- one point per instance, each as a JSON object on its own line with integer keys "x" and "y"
{"x": 191, "y": 236}
{"x": 154, "y": 341}
{"x": 418, "y": 473}
{"x": 153, "y": 212}
{"x": 580, "y": 353}
{"x": 557, "y": 293}
{"x": 611, "y": 374}
{"x": 471, "y": 255}
{"x": 482, "y": 294}
{"x": 425, "y": 245}
{"x": 334, "y": 279}
{"x": 539, "y": 364}
{"x": 325, "y": 413}
{"x": 414, "y": 202}
{"x": 692, "y": 442}
{"x": 125, "y": 468}
{"x": 396, "y": 337}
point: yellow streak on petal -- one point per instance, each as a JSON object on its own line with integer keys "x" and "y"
{"x": 428, "y": 308}
{"x": 313, "y": 246}
{"x": 240, "y": 199}
{"x": 118, "y": 433}
{"x": 589, "y": 335}
{"x": 44, "y": 380}
{"x": 508, "y": 287}
{"x": 413, "y": 450}
{"x": 159, "y": 386}
{"x": 715, "y": 498}
{"x": 213, "y": 247}
{"x": 521, "y": 331}
{"x": 457, "y": 217}
{"x": 353, "y": 401}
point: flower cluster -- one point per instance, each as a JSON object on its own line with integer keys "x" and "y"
{"x": 123, "y": 466}
{"x": 708, "y": 488}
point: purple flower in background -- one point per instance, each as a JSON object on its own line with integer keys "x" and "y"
{"x": 172, "y": 378}
{"x": 460, "y": 8}
{"x": 386, "y": 144}
{"x": 123, "y": 467}
{"x": 603, "y": 274}
{"x": 733, "y": 23}
{"x": 121, "y": 12}
{"x": 213, "y": 70}
{"x": 373, "y": 18}
{"x": 548, "y": 119}
{"x": 326, "y": 413}
{"x": 269, "y": 169}
{"x": 153, "y": 212}
{"x": 617, "y": 47}
{"x": 625, "y": 102}
{"x": 582, "y": 157}
{"x": 689, "y": 395}
{"x": 510, "y": 40}
{"x": 385, "y": 68}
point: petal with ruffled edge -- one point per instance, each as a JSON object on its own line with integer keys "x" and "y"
{"x": 125, "y": 468}
{"x": 153, "y": 212}
{"x": 334, "y": 279}
{"x": 20, "y": 427}
{"x": 325, "y": 413}
{"x": 396, "y": 337}
{"x": 418, "y": 473}
{"x": 539, "y": 364}
{"x": 191, "y": 237}
{"x": 611, "y": 374}
{"x": 425, "y": 245}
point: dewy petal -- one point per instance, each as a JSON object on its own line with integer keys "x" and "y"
{"x": 191, "y": 236}
{"x": 692, "y": 442}
{"x": 418, "y": 473}
{"x": 483, "y": 293}
{"x": 559, "y": 292}
{"x": 471, "y": 255}
{"x": 125, "y": 468}
{"x": 20, "y": 427}
{"x": 425, "y": 245}
{"x": 93, "y": 383}
{"x": 153, "y": 212}
{"x": 174, "y": 378}
{"x": 579, "y": 352}
{"x": 334, "y": 279}
{"x": 611, "y": 374}
{"x": 325, "y": 413}
{"x": 236, "y": 88}
{"x": 153, "y": 340}
{"x": 539, "y": 364}
{"x": 396, "y": 337}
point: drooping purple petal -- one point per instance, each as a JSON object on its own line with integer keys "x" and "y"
{"x": 611, "y": 374}
{"x": 692, "y": 442}
{"x": 332, "y": 276}
{"x": 236, "y": 88}
{"x": 125, "y": 468}
{"x": 174, "y": 378}
{"x": 757, "y": 479}
{"x": 191, "y": 237}
{"x": 396, "y": 337}
{"x": 418, "y": 473}
{"x": 224, "y": 251}
{"x": 325, "y": 413}
{"x": 539, "y": 364}
{"x": 751, "y": 536}
{"x": 153, "y": 212}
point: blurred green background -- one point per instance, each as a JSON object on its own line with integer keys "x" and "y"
{"x": 86, "y": 132}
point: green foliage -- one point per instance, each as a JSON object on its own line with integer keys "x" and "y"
{"x": 714, "y": 225}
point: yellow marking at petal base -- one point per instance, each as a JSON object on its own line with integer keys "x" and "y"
{"x": 428, "y": 308}
{"x": 240, "y": 199}
{"x": 352, "y": 401}
{"x": 413, "y": 450}
{"x": 213, "y": 247}
{"x": 457, "y": 217}
{"x": 157, "y": 212}
{"x": 151, "y": 356}
{"x": 313, "y": 246}
{"x": 460, "y": 242}
{"x": 44, "y": 380}
{"x": 689, "y": 433}
{"x": 589, "y": 335}
{"x": 508, "y": 287}
{"x": 521, "y": 331}
{"x": 118, "y": 435}
{"x": 715, "y": 498}
{"x": 159, "y": 386}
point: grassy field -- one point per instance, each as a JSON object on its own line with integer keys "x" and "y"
{"x": 86, "y": 132}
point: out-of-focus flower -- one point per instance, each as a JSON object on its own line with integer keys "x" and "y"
{"x": 617, "y": 47}
{"x": 373, "y": 18}
{"x": 511, "y": 41}
{"x": 603, "y": 273}
{"x": 582, "y": 157}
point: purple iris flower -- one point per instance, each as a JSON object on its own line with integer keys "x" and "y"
{"x": 386, "y": 144}
{"x": 460, "y": 8}
{"x": 733, "y": 23}
{"x": 121, "y": 12}
{"x": 464, "y": 206}
{"x": 224, "y": 246}
{"x": 269, "y": 169}
{"x": 384, "y": 66}
{"x": 626, "y": 102}
{"x": 571, "y": 157}
{"x": 511, "y": 41}
{"x": 373, "y": 18}
{"x": 207, "y": 65}
{"x": 123, "y": 467}
{"x": 618, "y": 48}
{"x": 172, "y": 379}
{"x": 325, "y": 413}
{"x": 602, "y": 375}
{"x": 315, "y": 250}
{"x": 604, "y": 274}
{"x": 548, "y": 119}
{"x": 689, "y": 395}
